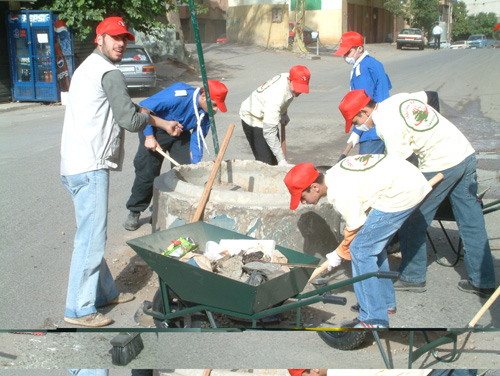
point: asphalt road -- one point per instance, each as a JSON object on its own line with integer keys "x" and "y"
{"x": 38, "y": 223}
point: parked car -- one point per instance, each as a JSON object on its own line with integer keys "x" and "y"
{"x": 477, "y": 41}
{"x": 410, "y": 37}
{"x": 138, "y": 68}
{"x": 308, "y": 35}
{"x": 459, "y": 44}
{"x": 442, "y": 44}
{"x": 222, "y": 39}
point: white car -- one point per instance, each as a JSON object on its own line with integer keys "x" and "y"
{"x": 459, "y": 44}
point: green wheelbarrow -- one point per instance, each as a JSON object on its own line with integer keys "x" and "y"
{"x": 188, "y": 295}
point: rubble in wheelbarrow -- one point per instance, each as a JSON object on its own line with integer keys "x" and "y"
{"x": 249, "y": 261}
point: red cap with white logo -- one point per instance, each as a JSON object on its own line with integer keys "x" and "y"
{"x": 300, "y": 75}
{"x": 114, "y": 26}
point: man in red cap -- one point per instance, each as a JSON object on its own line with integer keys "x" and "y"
{"x": 266, "y": 108}
{"x": 375, "y": 194}
{"x": 187, "y": 105}
{"x": 98, "y": 110}
{"x": 367, "y": 73}
{"x": 308, "y": 372}
{"x": 409, "y": 124}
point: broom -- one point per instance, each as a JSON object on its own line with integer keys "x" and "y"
{"x": 126, "y": 346}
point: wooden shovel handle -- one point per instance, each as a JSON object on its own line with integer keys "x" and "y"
{"x": 485, "y": 307}
{"x": 165, "y": 155}
{"x": 319, "y": 270}
{"x": 283, "y": 139}
{"x": 347, "y": 149}
{"x": 436, "y": 179}
{"x": 208, "y": 187}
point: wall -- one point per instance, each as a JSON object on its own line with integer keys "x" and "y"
{"x": 327, "y": 22}
{"x": 253, "y": 24}
{"x": 332, "y": 18}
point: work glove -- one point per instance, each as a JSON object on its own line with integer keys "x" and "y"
{"x": 334, "y": 260}
{"x": 354, "y": 139}
{"x": 283, "y": 162}
{"x": 284, "y": 120}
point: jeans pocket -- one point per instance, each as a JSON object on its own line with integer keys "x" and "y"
{"x": 76, "y": 182}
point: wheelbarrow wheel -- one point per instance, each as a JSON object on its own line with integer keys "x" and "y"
{"x": 343, "y": 340}
{"x": 195, "y": 320}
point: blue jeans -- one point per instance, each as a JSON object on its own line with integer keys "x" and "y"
{"x": 460, "y": 183}
{"x": 90, "y": 282}
{"x": 372, "y": 147}
{"x": 368, "y": 254}
{"x": 88, "y": 372}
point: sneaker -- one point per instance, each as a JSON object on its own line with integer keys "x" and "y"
{"x": 390, "y": 311}
{"x": 365, "y": 325}
{"x": 122, "y": 297}
{"x": 357, "y": 324}
{"x": 401, "y": 285}
{"x": 94, "y": 320}
{"x": 465, "y": 286}
{"x": 132, "y": 222}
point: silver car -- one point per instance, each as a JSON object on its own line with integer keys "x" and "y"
{"x": 138, "y": 68}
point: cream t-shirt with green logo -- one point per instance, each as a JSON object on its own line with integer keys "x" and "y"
{"x": 406, "y": 123}
{"x": 386, "y": 183}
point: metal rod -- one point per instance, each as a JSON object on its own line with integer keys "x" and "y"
{"x": 204, "y": 75}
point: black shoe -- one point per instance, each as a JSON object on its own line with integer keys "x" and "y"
{"x": 465, "y": 286}
{"x": 132, "y": 222}
{"x": 355, "y": 308}
{"x": 401, "y": 285}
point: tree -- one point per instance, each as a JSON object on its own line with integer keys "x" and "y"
{"x": 482, "y": 23}
{"x": 147, "y": 16}
{"x": 417, "y": 13}
{"x": 460, "y": 22}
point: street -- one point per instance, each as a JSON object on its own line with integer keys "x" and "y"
{"x": 38, "y": 223}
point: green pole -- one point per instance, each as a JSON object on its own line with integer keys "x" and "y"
{"x": 204, "y": 75}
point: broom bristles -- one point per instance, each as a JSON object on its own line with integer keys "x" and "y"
{"x": 126, "y": 346}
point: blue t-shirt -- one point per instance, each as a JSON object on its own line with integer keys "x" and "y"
{"x": 176, "y": 103}
{"x": 370, "y": 76}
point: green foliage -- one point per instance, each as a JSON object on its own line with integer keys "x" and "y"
{"x": 482, "y": 23}
{"x": 147, "y": 16}
{"x": 460, "y": 30}
{"x": 417, "y": 13}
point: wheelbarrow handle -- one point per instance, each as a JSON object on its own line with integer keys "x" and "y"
{"x": 331, "y": 299}
{"x": 388, "y": 275}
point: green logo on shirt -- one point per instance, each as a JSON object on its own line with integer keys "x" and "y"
{"x": 266, "y": 85}
{"x": 361, "y": 162}
{"x": 418, "y": 116}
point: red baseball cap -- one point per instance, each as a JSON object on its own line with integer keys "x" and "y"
{"x": 350, "y": 106}
{"x": 300, "y": 75}
{"x": 218, "y": 92}
{"x": 114, "y": 26}
{"x": 296, "y": 372}
{"x": 347, "y": 41}
{"x": 496, "y": 27}
{"x": 297, "y": 180}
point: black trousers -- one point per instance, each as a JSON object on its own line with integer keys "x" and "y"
{"x": 260, "y": 149}
{"x": 437, "y": 41}
{"x": 148, "y": 163}
{"x": 142, "y": 372}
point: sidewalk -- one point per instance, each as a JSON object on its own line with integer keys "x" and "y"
{"x": 14, "y": 106}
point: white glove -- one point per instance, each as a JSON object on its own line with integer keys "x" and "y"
{"x": 284, "y": 120}
{"x": 354, "y": 139}
{"x": 283, "y": 162}
{"x": 334, "y": 260}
